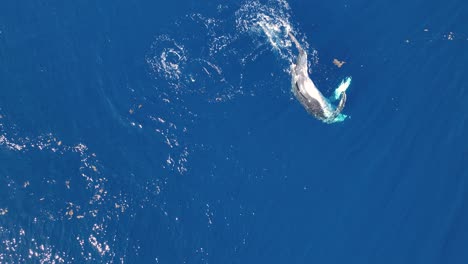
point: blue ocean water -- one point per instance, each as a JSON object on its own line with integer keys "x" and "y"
{"x": 167, "y": 132}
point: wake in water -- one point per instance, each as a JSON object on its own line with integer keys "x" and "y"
{"x": 209, "y": 60}
{"x": 271, "y": 20}
{"x": 205, "y": 61}
{"x": 266, "y": 25}
{"x": 208, "y": 56}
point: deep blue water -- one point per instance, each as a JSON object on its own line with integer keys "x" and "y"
{"x": 151, "y": 132}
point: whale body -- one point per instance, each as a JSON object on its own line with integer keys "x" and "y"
{"x": 307, "y": 93}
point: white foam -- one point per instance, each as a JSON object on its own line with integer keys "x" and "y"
{"x": 270, "y": 20}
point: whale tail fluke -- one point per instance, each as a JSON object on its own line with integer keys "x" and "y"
{"x": 344, "y": 85}
{"x": 338, "y": 109}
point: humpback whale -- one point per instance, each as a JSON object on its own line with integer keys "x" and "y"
{"x": 307, "y": 93}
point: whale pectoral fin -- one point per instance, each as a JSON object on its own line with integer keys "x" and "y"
{"x": 338, "y": 109}
{"x": 301, "y": 61}
{"x": 298, "y": 46}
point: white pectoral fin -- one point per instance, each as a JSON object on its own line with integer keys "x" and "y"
{"x": 298, "y": 46}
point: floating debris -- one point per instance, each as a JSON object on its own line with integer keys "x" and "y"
{"x": 3, "y": 211}
{"x": 338, "y": 63}
{"x": 70, "y": 213}
{"x": 131, "y": 111}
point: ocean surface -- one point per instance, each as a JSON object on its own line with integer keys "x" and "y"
{"x": 167, "y": 132}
